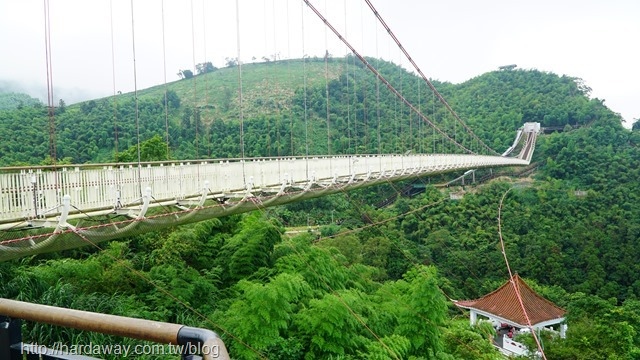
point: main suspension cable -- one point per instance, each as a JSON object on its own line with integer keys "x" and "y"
{"x": 429, "y": 83}
{"x": 384, "y": 81}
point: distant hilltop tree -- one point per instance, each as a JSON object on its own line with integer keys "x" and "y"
{"x": 231, "y": 62}
{"x": 185, "y": 74}
{"x": 205, "y": 67}
{"x": 153, "y": 149}
{"x": 62, "y": 106}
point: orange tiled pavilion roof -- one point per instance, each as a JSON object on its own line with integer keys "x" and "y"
{"x": 503, "y": 303}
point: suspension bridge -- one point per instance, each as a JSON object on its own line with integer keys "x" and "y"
{"x": 49, "y": 198}
{"x": 45, "y": 208}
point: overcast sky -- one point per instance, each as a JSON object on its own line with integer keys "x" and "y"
{"x": 454, "y": 40}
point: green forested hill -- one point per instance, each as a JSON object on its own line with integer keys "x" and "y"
{"x": 12, "y": 100}
{"x": 373, "y": 284}
{"x": 502, "y": 100}
{"x": 280, "y": 119}
{"x": 87, "y": 132}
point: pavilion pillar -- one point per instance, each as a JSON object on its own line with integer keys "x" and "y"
{"x": 473, "y": 317}
{"x": 563, "y": 330}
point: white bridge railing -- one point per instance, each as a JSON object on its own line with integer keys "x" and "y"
{"x": 37, "y": 192}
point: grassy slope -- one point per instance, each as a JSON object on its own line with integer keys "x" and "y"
{"x": 266, "y": 87}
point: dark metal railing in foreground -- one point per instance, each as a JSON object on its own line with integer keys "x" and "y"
{"x": 187, "y": 342}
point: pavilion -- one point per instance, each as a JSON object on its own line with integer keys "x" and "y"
{"x": 503, "y": 309}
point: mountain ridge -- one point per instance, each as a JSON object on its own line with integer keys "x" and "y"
{"x": 276, "y": 110}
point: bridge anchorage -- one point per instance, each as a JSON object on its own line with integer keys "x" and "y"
{"x": 130, "y": 199}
